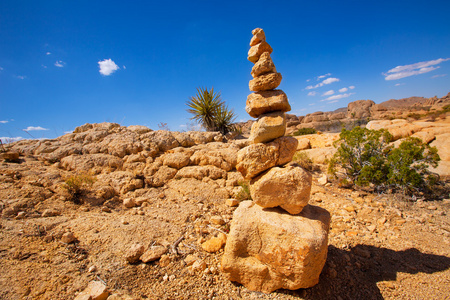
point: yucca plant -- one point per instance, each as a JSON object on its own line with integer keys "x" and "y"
{"x": 210, "y": 111}
{"x": 224, "y": 119}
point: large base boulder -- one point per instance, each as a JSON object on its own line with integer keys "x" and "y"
{"x": 269, "y": 249}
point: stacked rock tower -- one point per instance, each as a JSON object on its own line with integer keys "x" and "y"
{"x": 277, "y": 240}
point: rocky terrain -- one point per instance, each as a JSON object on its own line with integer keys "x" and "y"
{"x": 360, "y": 112}
{"x": 153, "y": 223}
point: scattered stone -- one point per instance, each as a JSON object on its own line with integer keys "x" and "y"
{"x": 287, "y": 187}
{"x": 134, "y": 253}
{"x": 129, "y": 202}
{"x": 50, "y": 212}
{"x": 124, "y": 222}
{"x": 92, "y": 269}
{"x": 268, "y": 249}
{"x": 432, "y": 207}
{"x": 190, "y": 259}
{"x": 95, "y": 290}
{"x": 165, "y": 260}
{"x": 153, "y": 253}
{"x": 106, "y": 209}
{"x": 21, "y": 215}
{"x": 232, "y": 202}
{"x": 11, "y": 156}
{"x": 215, "y": 244}
{"x": 323, "y": 179}
{"x": 199, "y": 265}
{"x": 68, "y": 237}
{"x": 217, "y": 220}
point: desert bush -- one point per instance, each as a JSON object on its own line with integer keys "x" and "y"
{"x": 304, "y": 131}
{"x": 303, "y": 160}
{"x": 210, "y": 111}
{"x": 77, "y": 185}
{"x": 364, "y": 158}
{"x": 244, "y": 193}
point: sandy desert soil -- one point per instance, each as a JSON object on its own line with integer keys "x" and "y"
{"x": 379, "y": 247}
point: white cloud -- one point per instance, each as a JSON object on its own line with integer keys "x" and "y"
{"x": 312, "y": 104}
{"x": 107, "y": 67}
{"x": 4, "y": 122}
{"x": 124, "y": 67}
{"x": 7, "y": 140}
{"x": 330, "y": 80}
{"x": 34, "y": 128}
{"x": 48, "y": 53}
{"x": 351, "y": 87}
{"x": 334, "y": 101}
{"x": 343, "y": 90}
{"x": 440, "y": 75}
{"x": 67, "y": 132}
{"x": 44, "y": 66}
{"x": 1, "y": 69}
{"x": 326, "y": 81}
{"x": 308, "y": 80}
{"x": 399, "y": 84}
{"x": 413, "y": 69}
{"x": 312, "y": 93}
{"x": 328, "y": 93}
{"x": 59, "y": 64}
{"x": 336, "y": 97}
{"x": 21, "y": 77}
{"x": 323, "y": 76}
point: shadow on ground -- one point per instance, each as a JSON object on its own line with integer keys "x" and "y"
{"x": 354, "y": 273}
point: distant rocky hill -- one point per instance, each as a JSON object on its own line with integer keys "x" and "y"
{"x": 360, "y": 112}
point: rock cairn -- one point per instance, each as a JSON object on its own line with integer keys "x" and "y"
{"x": 277, "y": 240}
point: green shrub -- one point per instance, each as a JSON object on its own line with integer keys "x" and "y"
{"x": 303, "y": 160}
{"x": 244, "y": 193}
{"x": 304, "y": 131}
{"x": 77, "y": 185}
{"x": 365, "y": 158}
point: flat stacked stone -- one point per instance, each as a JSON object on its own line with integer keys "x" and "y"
{"x": 277, "y": 240}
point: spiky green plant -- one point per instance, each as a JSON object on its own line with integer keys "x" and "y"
{"x": 224, "y": 119}
{"x": 210, "y": 111}
{"x": 204, "y": 107}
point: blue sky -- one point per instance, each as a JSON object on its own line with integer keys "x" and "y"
{"x": 66, "y": 63}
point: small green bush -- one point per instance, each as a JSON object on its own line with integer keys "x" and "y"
{"x": 366, "y": 159}
{"x": 303, "y": 160}
{"x": 304, "y": 131}
{"x": 244, "y": 193}
{"x": 77, "y": 185}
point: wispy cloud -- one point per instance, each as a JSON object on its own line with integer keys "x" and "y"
{"x": 326, "y": 81}
{"x": 323, "y": 76}
{"x": 312, "y": 93}
{"x": 7, "y": 140}
{"x": 107, "y": 67}
{"x": 60, "y": 64}
{"x": 34, "y": 128}
{"x": 337, "y": 97}
{"x": 413, "y": 69}
{"x": 48, "y": 53}
{"x": 328, "y": 93}
{"x": 21, "y": 77}
{"x": 399, "y": 84}
{"x": 351, "y": 87}
{"x": 1, "y": 69}
{"x": 440, "y": 75}
{"x": 4, "y": 122}
{"x": 343, "y": 90}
